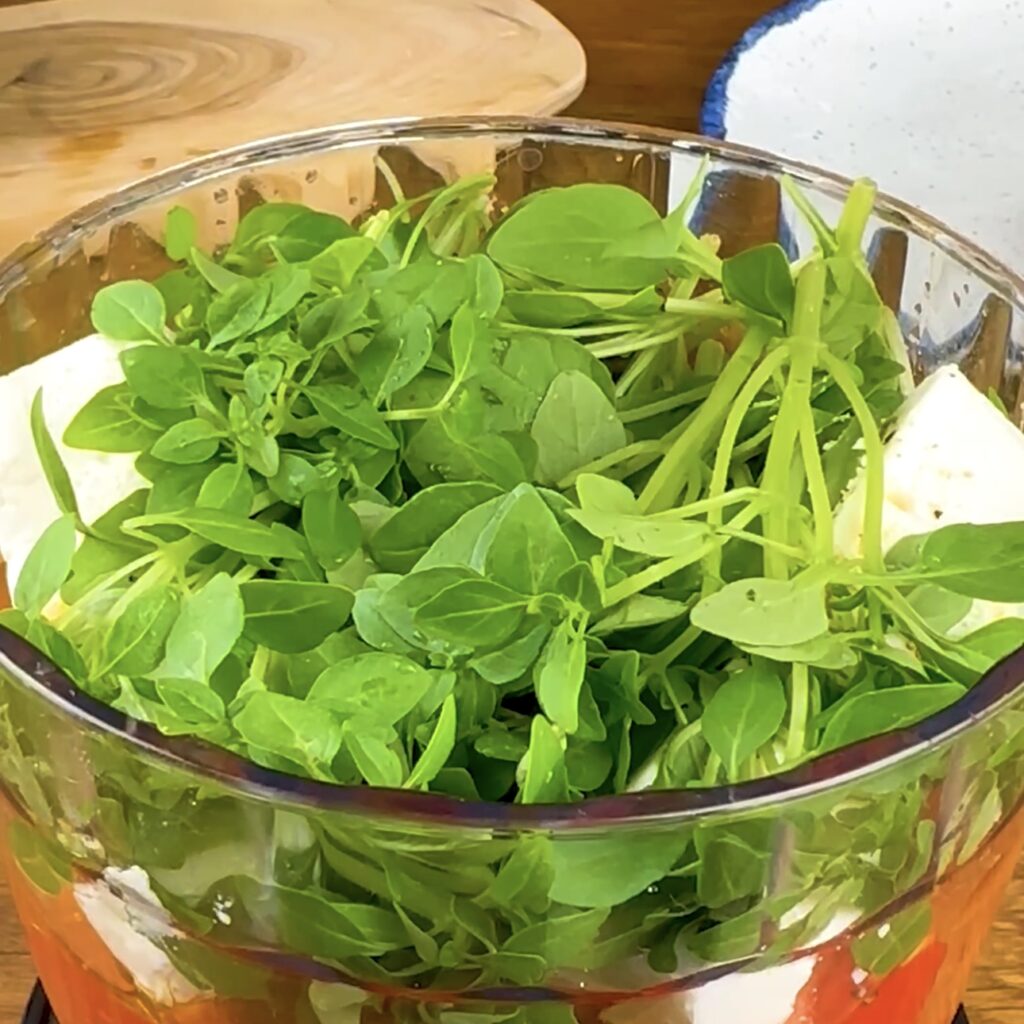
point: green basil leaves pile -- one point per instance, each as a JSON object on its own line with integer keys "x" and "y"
{"x": 527, "y": 510}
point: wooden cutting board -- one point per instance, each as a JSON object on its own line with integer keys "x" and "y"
{"x": 97, "y": 93}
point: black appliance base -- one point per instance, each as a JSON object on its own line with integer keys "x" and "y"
{"x": 38, "y": 1010}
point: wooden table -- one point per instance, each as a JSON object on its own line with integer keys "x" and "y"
{"x": 649, "y": 61}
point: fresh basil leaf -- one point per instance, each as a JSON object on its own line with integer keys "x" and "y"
{"x": 205, "y": 632}
{"x": 982, "y": 562}
{"x": 246, "y": 536}
{"x": 881, "y": 711}
{"x": 378, "y": 688}
{"x": 296, "y": 232}
{"x": 106, "y": 423}
{"x": 997, "y": 640}
{"x": 765, "y": 612}
{"x": 761, "y": 279}
{"x": 526, "y": 549}
{"x": 403, "y": 539}
{"x": 46, "y": 568}
{"x": 134, "y": 643}
{"x": 296, "y": 730}
{"x": 544, "y": 778}
{"x": 261, "y": 379}
{"x": 292, "y": 616}
{"x": 745, "y": 712}
{"x": 338, "y": 264}
{"x": 228, "y": 488}
{"x": 396, "y": 355}
{"x": 734, "y": 862}
{"x": 129, "y": 311}
{"x": 219, "y": 278}
{"x": 164, "y": 376}
{"x": 606, "y": 871}
{"x": 558, "y": 676}
{"x": 54, "y": 470}
{"x": 438, "y": 749}
{"x": 191, "y": 701}
{"x": 41, "y": 860}
{"x": 575, "y": 424}
{"x": 880, "y": 950}
{"x": 513, "y": 659}
{"x": 237, "y": 312}
{"x": 347, "y": 410}
{"x": 331, "y": 527}
{"x": 179, "y": 233}
{"x": 287, "y": 286}
{"x": 570, "y": 235}
{"x": 475, "y": 612}
{"x": 188, "y": 442}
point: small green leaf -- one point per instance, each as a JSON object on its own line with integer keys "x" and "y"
{"x": 765, "y": 612}
{"x": 46, "y": 568}
{"x": 475, "y": 612}
{"x": 134, "y": 643}
{"x": 403, "y": 539}
{"x": 347, "y": 410}
{"x": 338, "y": 264}
{"x": 745, "y": 712}
{"x": 526, "y": 549}
{"x": 262, "y": 378}
{"x": 293, "y": 616}
{"x": 881, "y": 711}
{"x": 880, "y": 950}
{"x": 236, "y": 312}
{"x": 607, "y": 870}
{"x": 106, "y": 423}
{"x": 219, "y": 278}
{"x": 544, "y": 778}
{"x": 165, "y": 377}
{"x": 179, "y": 233}
{"x": 377, "y": 687}
{"x": 331, "y": 527}
{"x": 377, "y": 762}
{"x": 206, "y": 630}
{"x": 558, "y": 676}
{"x": 512, "y": 660}
{"x": 575, "y": 424}
{"x": 761, "y": 279}
{"x": 228, "y": 488}
{"x": 296, "y": 730}
{"x": 54, "y": 470}
{"x": 570, "y": 235}
{"x": 41, "y": 860}
{"x": 437, "y": 751}
{"x": 287, "y": 287}
{"x": 188, "y": 442}
{"x": 236, "y": 533}
{"x": 191, "y": 701}
{"x": 129, "y": 311}
{"x": 469, "y": 340}
{"x": 983, "y": 562}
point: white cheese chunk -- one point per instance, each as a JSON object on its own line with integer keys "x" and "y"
{"x": 954, "y": 458}
{"x": 127, "y": 915}
{"x": 69, "y": 378}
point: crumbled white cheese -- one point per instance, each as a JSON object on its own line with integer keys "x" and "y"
{"x": 954, "y": 458}
{"x": 127, "y": 915}
{"x": 69, "y": 378}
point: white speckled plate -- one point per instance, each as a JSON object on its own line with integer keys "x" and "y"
{"x": 924, "y": 96}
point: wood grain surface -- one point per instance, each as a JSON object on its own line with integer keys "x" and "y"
{"x": 96, "y": 93}
{"x": 648, "y": 62}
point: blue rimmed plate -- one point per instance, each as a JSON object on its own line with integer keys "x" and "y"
{"x": 925, "y": 96}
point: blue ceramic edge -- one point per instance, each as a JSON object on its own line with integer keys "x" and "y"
{"x": 715, "y": 104}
